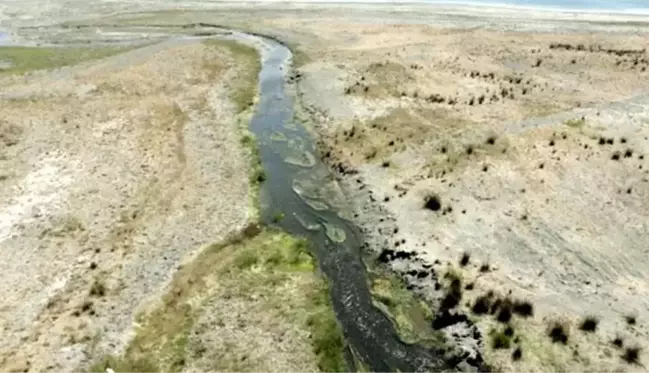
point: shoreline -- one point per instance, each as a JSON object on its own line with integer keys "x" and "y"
{"x": 477, "y": 7}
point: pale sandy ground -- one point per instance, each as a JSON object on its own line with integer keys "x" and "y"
{"x": 109, "y": 177}
{"x": 563, "y": 223}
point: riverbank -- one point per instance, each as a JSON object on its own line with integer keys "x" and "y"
{"x": 484, "y": 158}
{"x": 127, "y": 285}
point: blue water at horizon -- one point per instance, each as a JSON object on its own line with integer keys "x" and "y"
{"x": 614, "y": 5}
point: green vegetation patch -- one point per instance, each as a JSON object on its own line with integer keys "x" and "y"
{"x": 244, "y": 91}
{"x": 23, "y": 59}
{"x": 254, "y": 261}
{"x": 412, "y": 316}
{"x": 575, "y": 123}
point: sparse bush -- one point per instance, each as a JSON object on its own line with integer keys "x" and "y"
{"x": 632, "y": 355}
{"x": 464, "y": 260}
{"x": 589, "y": 324}
{"x": 453, "y": 294}
{"x": 558, "y": 333}
{"x": 246, "y": 140}
{"x": 500, "y": 341}
{"x": 86, "y": 306}
{"x": 98, "y": 289}
{"x": 481, "y": 305}
{"x": 618, "y": 342}
{"x": 505, "y": 312}
{"x": 433, "y": 203}
{"x": 278, "y": 217}
{"x": 523, "y": 308}
{"x": 630, "y": 319}
{"x": 509, "y": 331}
{"x": 259, "y": 176}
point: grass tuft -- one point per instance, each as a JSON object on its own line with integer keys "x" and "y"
{"x": 558, "y": 333}
{"x": 499, "y": 340}
{"x": 632, "y": 355}
{"x": 589, "y": 324}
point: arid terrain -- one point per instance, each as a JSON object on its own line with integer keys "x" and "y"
{"x": 128, "y": 217}
{"x": 522, "y": 152}
{"x": 494, "y": 158}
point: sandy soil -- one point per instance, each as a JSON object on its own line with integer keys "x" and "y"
{"x": 108, "y": 181}
{"x": 464, "y": 114}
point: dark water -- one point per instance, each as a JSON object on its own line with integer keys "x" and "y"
{"x": 367, "y": 330}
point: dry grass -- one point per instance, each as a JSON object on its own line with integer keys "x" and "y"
{"x": 24, "y": 59}
{"x": 243, "y": 93}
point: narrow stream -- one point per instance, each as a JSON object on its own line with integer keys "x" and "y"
{"x": 301, "y": 187}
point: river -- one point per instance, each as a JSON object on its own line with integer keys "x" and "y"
{"x": 302, "y": 187}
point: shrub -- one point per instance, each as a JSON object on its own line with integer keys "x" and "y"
{"x": 98, "y": 289}
{"x": 485, "y": 267}
{"x": 491, "y": 140}
{"x": 618, "y": 342}
{"x": 631, "y": 355}
{"x": 260, "y": 176}
{"x": 616, "y": 156}
{"x": 500, "y": 341}
{"x": 433, "y": 203}
{"x": 630, "y": 319}
{"x": 523, "y": 308}
{"x": 505, "y": 313}
{"x": 464, "y": 260}
{"x": 481, "y": 305}
{"x": 517, "y": 354}
{"x": 558, "y": 333}
{"x": 589, "y": 324}
{"x": 453, "y": 295}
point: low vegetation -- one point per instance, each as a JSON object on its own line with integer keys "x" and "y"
{"x": 242, "y": 95}
{"x": 20, "y": 60}
{"x": 411, "y": 316}
{"x": 269, "y": 263}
